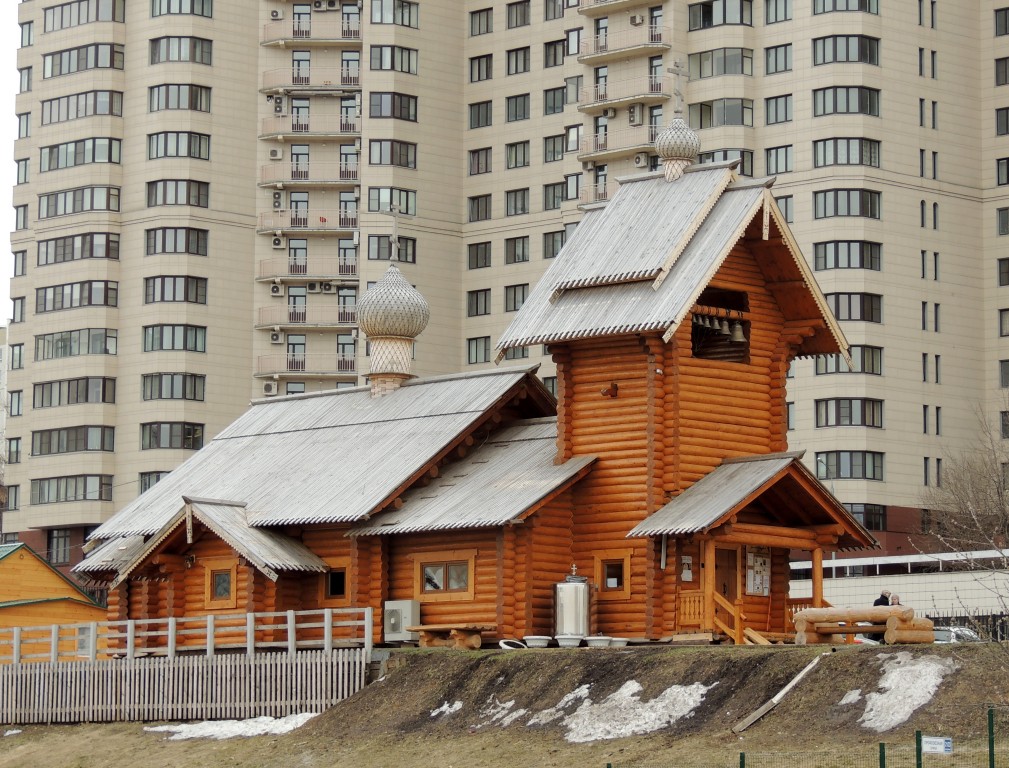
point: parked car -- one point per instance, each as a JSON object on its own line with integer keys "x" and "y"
{"x": 956, "y": 635}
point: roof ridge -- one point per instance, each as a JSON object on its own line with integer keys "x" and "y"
{"x": 764, "y": 457}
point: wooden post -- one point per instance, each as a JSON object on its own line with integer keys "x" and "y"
{"x": 93, "y": 641}
{"x": 131, "y": 639}
{"x": 369, "y": 622}
{"x": 16, "y": 648}
{"x": 817, "y": 577}
{"x": 172, "y": 640}
{"x": 54, "y": 644}
{"x": 327, "y": 628}
{"x": 210, "y": 634}
{"x": 250, "y": 634}
{"x": 292, "y": 635}
{"x": 709, "y": 584}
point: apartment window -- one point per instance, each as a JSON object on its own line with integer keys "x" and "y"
{"x": 554, "y": 100}
{"x": 553, "y": 148}
{"x": 149, "y": 479}
{"x": 400, "y": 12}
{"x": 185, "y": 7}
{"x": 550, "y": 382}
{"x": 552, "y": 9}
{"x": 70, "y": 201}
{"x": 478, "y": 350}
{"x": 479, "y": 161}
{"x": 777, "y": 10}
{"x": 80, "y": 152}
{"x": 552, "y": 243}
{"x": 847, "y": 254}
{"x": 24, "y": 125}
{"x": 515, "y": 296}
{"x": 1005, "y": 424}
{"x": 856, "y": 306}
{"x": 85, "y": 57}
{"x": 186, "y": 338}
{"x": 786, "y": 205}
{"x": 380, "y": 248}
{"x": 744, "y": 156}
{"x": 843, "y": 465}
{"x": 554, "y": 195}
{"x": 89, "y": 389}
{"x": 171, "y": 288}
{"x": 93, "y": 245}
{"x": 871, "y": 516}
{"x": 848, "y": 151}
{"x": 553, "y": 54}
{"x": 1001, "y": 71}
{"x": 518, "y": 14}
{"x": 481, "y": 68}
{"x": 711, "y": 114}
{"x": 394, "y": 58}
{"x": 79, "y": 12}
{"x": 196, "y": 50}
{"x": 778, "y": 59}
{"x": 849, "y": 412}
{"x": 86, "y": 341}
{"x": 1001, "y": 22}
{"x": 171, "y": 434}
{"x": 20, "y": 217}
{"x": 480, "y": 114}
{"x": 27, "y": 34}
{"x": 845, "y": 100}
{"x": 720, "y": 61}
{"x": 829, "y": 6}
{"x": 178, "y": 192}
{"x": 1003, "y": 322}
{"x": 481, "y": 22}
{"x": 88, "y": 293}
{"x": 714, "y": 13}
{"x": 864, "y": 359}
{"x": 20, "y": 263}
{"x": 383, "y": 198}
{"x": 58, "y": 546}
{"x": 15, "y": 402}
{"x": 18, "y": 350}
{"x": 173, "y": 386}
{"x": 53, "y": 490}
{"x": 22, "y": 170}
{"x": 479, "y": 207}
{"x": 478, "y": 302}
{"x": 392, "y": 152}
{"x": 517, "y": 107}
{"x": 50, "y": 442}
{"x": 178, "y": 144}
{"x": 1003, "y": 221}
{"x": 516, "y": 249}
{"x": 778, "y": 109}
{"x": 13, "y": 502}
{"x": 195, "y": 98}
{"x": 398, "y": 106}
{"x": 840, "y": 48}
{"x": 13, "y": 450}
{"x": 573, "y": 183}
{"x": 516, "y": 353}
{"x": 1003, "y": 271}
{"x": 25, "y": 80}
{"x": 478, "y": 255}
{"x": 572, "y": 138}
{"x": 518, "y": 61}
{"x": 846, "y": 202}
{"x": 174, "y": 240}
{"x": 516, "y": 202}
{"x": 778, "y": 160}
{"x": 573, "y": 41}
{"x": 517, "y": 154}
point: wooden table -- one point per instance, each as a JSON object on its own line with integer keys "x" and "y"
{"x": 463, "y": 636}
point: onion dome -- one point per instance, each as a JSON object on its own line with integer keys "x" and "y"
{"x": 677, "y": 145}
{"x": 393, "y": 307}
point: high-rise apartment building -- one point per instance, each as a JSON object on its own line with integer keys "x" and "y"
{"x": 207, "y": 186}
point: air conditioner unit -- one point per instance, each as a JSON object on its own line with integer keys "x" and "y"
{"x": 278, "y": 243}
{"x": 637, "y": 19}
{"x": 278, "y": 105}
{"x": 636, "y": 114}
{"x": 357, "y": 238}
{"x": 278, "y": 199}
{"x": 397, "y": 615}
{"x": 276, "y": 289}
{"x": 314, "y": 288}
{"x": 641, "y": 160}
{"x": 276, "y": 15}
{"x": 269, "y": 388}
{"x": 332, "y": 5}
{"x": 278, "y": 204}
{"x": 319, "y": 5}
{"x": 276, "y": 337}
{"x": 276, "y": 153}
{"x": 588, "y": 165}
{"x": 609, "y": 112}
{"x": 329, "y": 287}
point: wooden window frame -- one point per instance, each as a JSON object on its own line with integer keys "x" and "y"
{"x": 335, "y": 564}
{"x": 217, "y": 565}
{"x": 467, "y": 556}
{"x": 606, "y": 557}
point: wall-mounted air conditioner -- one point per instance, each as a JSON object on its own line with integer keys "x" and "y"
{"x": 329, "y": 287}
{"x": 269, "y": 388}
{"x": 609, "y": 113}
{"x": 641, "y": 160}
{"x": 278, "y": 105}
{"x": 277, "y": 153}
{"x": 277, "y": 14}
{"x": 276, "y": 337}
{"x": 637, "y": 19}
{"x": 636, "y": 114}
{"x": 588, "y": 165}
{"x": 319, "y": 5}
{"x": 278, "y": 199}
{"x": 276, "y": 289}
{"x": 397, "y": 615}
{"x": 313, "y": 288}
{"x": 278, "y": 243}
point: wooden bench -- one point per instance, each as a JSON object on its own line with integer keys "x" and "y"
{"x": 463, "y": 636}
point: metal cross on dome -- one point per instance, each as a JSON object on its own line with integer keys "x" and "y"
{"x": 394, "y": 211}
{"x": 677, "y": 70}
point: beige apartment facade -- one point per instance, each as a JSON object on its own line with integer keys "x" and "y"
{"x": 263, "y": 162}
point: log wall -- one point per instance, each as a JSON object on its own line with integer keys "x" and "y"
{"x": 545, "y": 558}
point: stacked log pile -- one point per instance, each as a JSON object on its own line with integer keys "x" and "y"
{"x": 896, "y": 623}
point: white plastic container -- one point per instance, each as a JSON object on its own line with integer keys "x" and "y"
{"x": 618, "y": 642}
{"x": 598, "y": 641}
{"x": 537, "y": 641}
{"x": 569, "y": 641}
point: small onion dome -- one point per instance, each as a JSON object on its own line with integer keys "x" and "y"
{"x": 677, "y": 146}
{"x": 393, "y": 307}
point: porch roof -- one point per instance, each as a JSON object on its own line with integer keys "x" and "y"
{"x": 738, "y": 482}
{"x": 111, "y": 556}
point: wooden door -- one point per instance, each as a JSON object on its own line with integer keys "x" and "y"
{"x": 726, "y": 580}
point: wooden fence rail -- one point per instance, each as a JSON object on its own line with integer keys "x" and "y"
{"x": 180, "y": 688}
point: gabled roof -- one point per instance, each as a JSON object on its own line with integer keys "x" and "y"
{"x": 327, "y": 457}
{"x": 43, "y": 600}
{"x": 8, "y": 586}
{"x": 9, "y": 549}
{"x": 734, "y": 484}
{"x": 502, "y": 481}
{"x": 111, "y": 556}
{"x": 579, "y": 298}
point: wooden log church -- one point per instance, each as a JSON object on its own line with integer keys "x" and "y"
{"x": 661, "y": 472}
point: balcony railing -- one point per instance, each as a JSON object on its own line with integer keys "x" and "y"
{"x": 612, "y": 141}
{"x": 308, "y": 219}
{"x": 301, "y": 314}
{"x": 630, "y": 38}
{"x": 292, "y": 172}
{"x": 312, "y": 77}
{"x": 624, "y": 89}
{"x": 312, "y": 29}
{"x": 597, "y": 193}
{"x": 318, "y": 124}
{"x": 315, "y": 266}
{"x": 306, "y": 363}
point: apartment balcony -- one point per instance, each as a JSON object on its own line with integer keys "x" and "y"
{"x": 311, "y": 32}
{"x": 306, "y": 221}
{"x": 304, "y": 127}
{"x": 295, "y": 316}
{"x": 617, "y": 144}
{"x": 316, "y": 365}
{"x": 646, "y": 40}
{"x": 311, "y": 80}
{"x": 597, "y": 193}
{"x": 294, "y": 174}
{"x": 606, "y": 7}
{"x": 609, "y": 95}
{"x": 319, "y": 268}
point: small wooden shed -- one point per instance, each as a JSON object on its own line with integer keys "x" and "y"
{"x": 34, "y": 594}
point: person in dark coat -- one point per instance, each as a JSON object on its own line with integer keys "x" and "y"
{"x": 883, "y": 599}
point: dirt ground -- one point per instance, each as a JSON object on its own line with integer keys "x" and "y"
{"x": 390, "y": 723}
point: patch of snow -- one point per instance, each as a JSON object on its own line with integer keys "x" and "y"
{"x": 624, "y": 714}
{"x": 906, "y": 684}
{"x": 511, "y": 718}
{"x": 12, "y": 732}
{"x": 227, "y": 729}
{"x": 851, "y": 697}
{"x": 549, "y": 715}
{"x": 447, "y": 709}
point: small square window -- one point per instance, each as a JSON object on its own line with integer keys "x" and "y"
{"x": 336, "y": 584}
{"x": 220, "y": 585}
